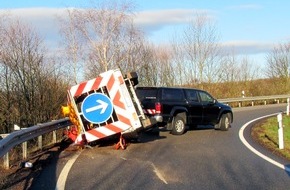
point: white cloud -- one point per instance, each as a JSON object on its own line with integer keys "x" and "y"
{"x": 151, "y": 21}
{"x": 247, "y": 47}
{"x": 245, "y": 7}
{"x": 173, "y": 16}
{"x": 44, "y": 20}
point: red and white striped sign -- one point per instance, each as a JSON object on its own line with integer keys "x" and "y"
{"x": 123, "y": 107}
{"x": 149, "y": 111}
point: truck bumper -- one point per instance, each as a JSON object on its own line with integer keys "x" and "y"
{"x": 158, "y": 118}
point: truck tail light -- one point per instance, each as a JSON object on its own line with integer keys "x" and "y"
{"x": 158, "y": 107}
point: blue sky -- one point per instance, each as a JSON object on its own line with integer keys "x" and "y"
{"x": 252, "y": 27}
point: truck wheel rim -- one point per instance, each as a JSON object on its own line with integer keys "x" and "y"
{"x": 179, "y": 125}
{"x": 227, "y": 122}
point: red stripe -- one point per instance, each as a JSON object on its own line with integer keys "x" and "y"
{"x": 97, "y": 83}
{"x": 121, "y": 80}
{"x": 80, "y": 89}
{"x": 111, "y": 83}
{"x": 124, "y": 119}
{"x": 97, "y": 134}
{"x": 117, "y": 102}
{"x": 151, "y": 111}
{"x": 68, "y": 97}
{"x": 114, "y": 128}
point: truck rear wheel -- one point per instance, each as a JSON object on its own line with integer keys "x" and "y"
{"x": 178, "y": 125}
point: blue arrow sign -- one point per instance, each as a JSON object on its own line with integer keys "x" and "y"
{"x": 97, "y": 108}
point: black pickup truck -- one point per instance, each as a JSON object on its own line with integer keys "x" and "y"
{"x": 177, "y": 107}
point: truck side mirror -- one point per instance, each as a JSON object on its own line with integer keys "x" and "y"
{"x": 214, "y": 101}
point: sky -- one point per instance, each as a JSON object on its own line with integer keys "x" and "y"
{"x": 251, "y": 27}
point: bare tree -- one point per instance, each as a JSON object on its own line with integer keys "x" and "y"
{"x": 200, "y": 43}
{"x": 165, "y": 72}
{"x": 148, "y": 68}
{"x": 234, "y": 68}
{"x": 278, "y": 67}
{"x": 156, "y": 68}
{"x": 183, "y": 74}
{"x": 108, "y": 37}
{"x": 134, "y": 48}
{"x": 228, "y": 70}
{"x": 51, "y": 90}
{"x": 247, "y": 70}
{"x": 278, "y": 62}
{"x": 73, "y": 46}
{"x": 32, "y": 90}
{"x": 22, "y": 61}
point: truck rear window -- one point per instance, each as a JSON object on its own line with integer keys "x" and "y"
{"x": 172, "y": 94}
{"x": 146, "y": 93}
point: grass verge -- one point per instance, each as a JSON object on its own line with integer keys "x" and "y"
{"x": 266, "y": 133}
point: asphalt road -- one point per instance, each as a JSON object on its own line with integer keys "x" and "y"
{"x": 202, "y": 158}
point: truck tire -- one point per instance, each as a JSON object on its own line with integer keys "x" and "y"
{"x": 178, "y": 125}
{"x": 225, "y": 122}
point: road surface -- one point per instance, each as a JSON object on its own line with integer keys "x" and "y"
{"x": 202, "y": 158}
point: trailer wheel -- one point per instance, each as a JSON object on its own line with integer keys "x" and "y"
{"x": 178, "y": 125}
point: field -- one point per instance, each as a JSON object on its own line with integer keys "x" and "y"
{"x": 266, "y": 133}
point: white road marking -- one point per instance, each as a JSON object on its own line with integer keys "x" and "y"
{"x": 241, "y": 135}
{"x": 159, "y": 175}
{"x": 60, "y": 185}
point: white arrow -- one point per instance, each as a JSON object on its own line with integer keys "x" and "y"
{"x": 103, "y": 105}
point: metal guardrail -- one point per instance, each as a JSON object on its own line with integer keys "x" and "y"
{"x": 254, "y": 98}
{"x": 24, "y": 135}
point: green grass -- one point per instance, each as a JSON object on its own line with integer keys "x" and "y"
{"x": 266, "y": 133}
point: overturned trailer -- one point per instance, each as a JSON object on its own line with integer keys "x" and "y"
{"x": 104, "y": 106}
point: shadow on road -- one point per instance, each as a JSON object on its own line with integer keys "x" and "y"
{"x": 149, "y": 136}
{"x": 26, "y": 177}
{"x": 143, "y": 137}
{"x": 287, "y": 169}
{"x": 202, "y": 127}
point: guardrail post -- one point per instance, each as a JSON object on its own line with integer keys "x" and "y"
{"x": 54, "y": 137}
{"x": 40, "y": 142}
{"x": 6, "y": 161}
{"x": 280, "y": 131}
{"x": 265, "y": 102}
{"x": 24, "y": 150}
{"x": 288, "y": 106}
{"x": 252, "y": 103}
